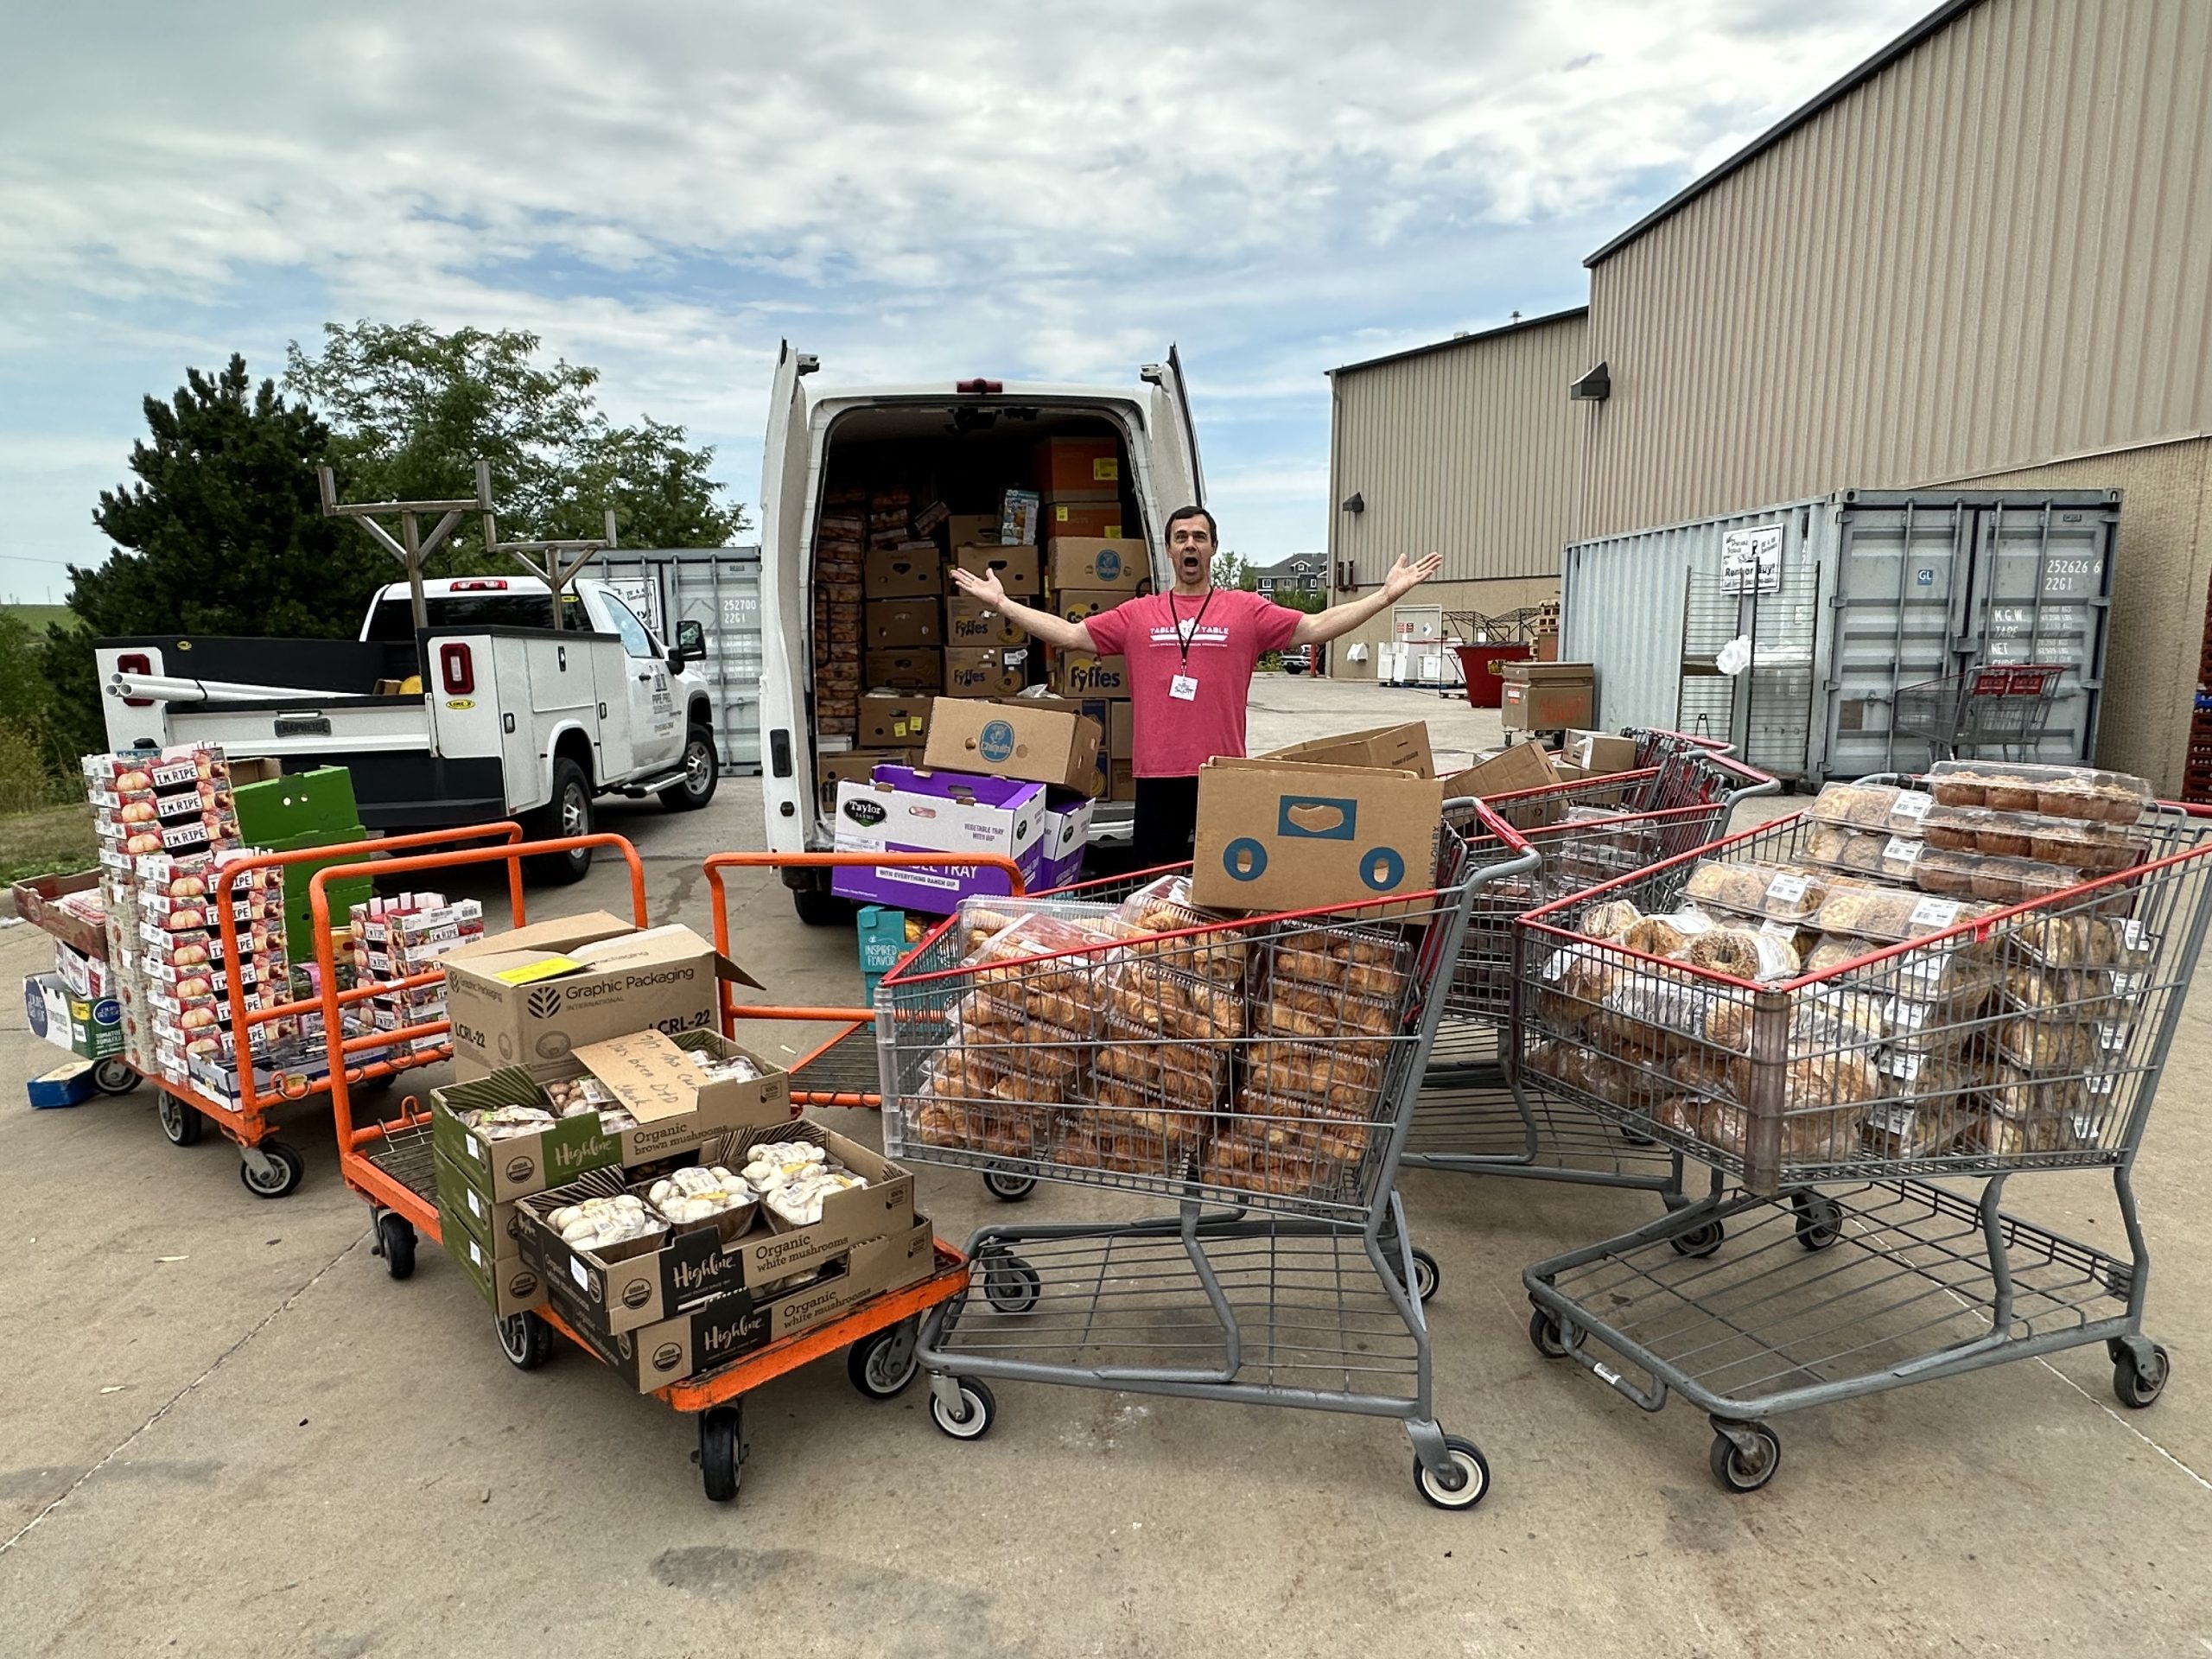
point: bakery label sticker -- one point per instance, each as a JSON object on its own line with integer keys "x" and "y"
{"x": 1933, "y": 915}
{"x": 1912, "y": 806}
{"x": 1788, "y": 889}
{"x": 1902, "y": 851}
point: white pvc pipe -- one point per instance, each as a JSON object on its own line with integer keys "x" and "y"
{"x": 157, "y": 687}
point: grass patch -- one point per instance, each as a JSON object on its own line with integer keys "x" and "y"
{"x": 55, "y": 839}
{"x": 35, "y": 617}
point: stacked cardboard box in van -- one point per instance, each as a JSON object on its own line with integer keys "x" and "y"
{"x": 1091, "y": 562}
{"x": 841, "y": 538}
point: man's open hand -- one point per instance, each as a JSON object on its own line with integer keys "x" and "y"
{"x": 1404, "y": 578}
{"x": 988, "y": 589}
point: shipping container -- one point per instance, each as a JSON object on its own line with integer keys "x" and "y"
{"x": 1843, "y": 601}
{"x": 718, "y": 587}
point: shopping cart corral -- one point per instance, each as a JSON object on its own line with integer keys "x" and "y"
{"x": 1258, "y": 1074}
{"x": 1862, "y": 1122}
{"x": 2003, "y": 707}
{"x": 1478, "y": 1113}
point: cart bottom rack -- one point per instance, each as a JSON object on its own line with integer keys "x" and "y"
{"x": 1208, "y": 1304}
{"x": 1825, "y": 1296}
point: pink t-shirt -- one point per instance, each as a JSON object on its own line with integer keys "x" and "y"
{"x": 1228, "y": 631}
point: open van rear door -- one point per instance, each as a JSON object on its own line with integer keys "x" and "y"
{"x": 787, "y": 511}
{"x": 1177, "y": 479}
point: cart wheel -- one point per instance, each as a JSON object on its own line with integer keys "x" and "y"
{"x": 1427, "y": 1275}
{"x": 883, "y": 1364}
{"x": 2136, "y": 1385}
{"x": 1738, "y": 1473}
{"x": 1010, "y": 1189}
{"x": 721, "y": 1451}
{"x": 526, "y": 1340}
{"x": 979, "y": 1410}
{"x": 114, "y": 1077}
{"x": 1010, "y": 1284}
{"x": 396, "y": 1243}
{"x": 181, "y": 1121}
{"x": 1469, "y": 1467}
{"x": 374, "y": 1085}
{"x": 1700, "y": 1241}
{"x": 1544, "y": 1331}
{"x": 1820, "y": 1220}
{"x": 280, "y": 1178}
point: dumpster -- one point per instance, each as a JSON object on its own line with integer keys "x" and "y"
{"x": 1480, "y": 664}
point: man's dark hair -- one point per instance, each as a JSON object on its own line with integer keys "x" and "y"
{"x": 1213, "y": 531}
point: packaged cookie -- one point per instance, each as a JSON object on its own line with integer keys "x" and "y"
{"x": 1865, "y": 852}
{"x": 1878, "y": 913}
{"x": 2082, "y": 793}
{"x": 1870, "y": 806}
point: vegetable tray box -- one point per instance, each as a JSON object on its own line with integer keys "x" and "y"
{"x": 673, "y": 1111}
{"x": 624, "y": 1286}
{"x": 731, "y": 1328}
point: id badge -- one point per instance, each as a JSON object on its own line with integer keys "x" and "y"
{"x": 1183, "y": 689}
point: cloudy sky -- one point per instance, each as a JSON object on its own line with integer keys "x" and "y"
{"x": 914, "y": 192}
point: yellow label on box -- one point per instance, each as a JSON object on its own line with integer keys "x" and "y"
{"x": 533, "y": 971}
{"x": 1105, "y": 468}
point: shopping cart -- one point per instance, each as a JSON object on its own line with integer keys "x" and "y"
{"x": 2003, "y": 706}
{"x": 1476, "y": 1115}
{"x": 1833, "y": 1109}
{"x": 389, "y": 1162}
{"x": 267, "y": 1078}
{"x": 1280, "y": 1277}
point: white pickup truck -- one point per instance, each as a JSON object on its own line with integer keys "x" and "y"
{"x": 489, "y": 712}
{"x": 963, "y": 441}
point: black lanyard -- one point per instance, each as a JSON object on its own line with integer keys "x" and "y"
{"x": 1182, "y": 640}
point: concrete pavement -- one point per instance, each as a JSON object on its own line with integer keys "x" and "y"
{"x": 228, "y": 1432}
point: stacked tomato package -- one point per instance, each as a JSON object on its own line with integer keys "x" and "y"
{"x": 840, "y": 539}
{"x": 1327, "y": 1006}
{"x": 1018, "y": 1048}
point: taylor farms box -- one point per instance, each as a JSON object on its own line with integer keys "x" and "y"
{"x": 1084, "y": 674}
{"x": 532, "y": 996}
{"x": 971, "y": 625}
{"x": 1094, "y": 518}
{"x": 1015, "y": 740}
{"x": 731, "y": 1326}
{"x": 891, "y": 720}
{"x": 895, "y": 573}
{"x": 903, "y": 670}
{"x": 903, "y": 625}
{"x": 902, "y": 811}
{"x": 993, "y": 671}
{"x": 626, "y": 1286}
{"x": 1078, "y": 469}
{"x": 1275, "y": 835}
{"x": 1546, "y": 697}
{"x": 1096, "y": 563}
{"x": 675, "y": 1111}
{"x": 1016, "y": 567}
{"x": 1404, "y": 748}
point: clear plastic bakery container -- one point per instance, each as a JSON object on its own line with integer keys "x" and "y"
{"x": 2083, "y": 793}
{"x": 1871, "y": 806}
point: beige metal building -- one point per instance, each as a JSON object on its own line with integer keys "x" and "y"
{"x": 1984, "y": 256}
{"x": 1468, "y": 447}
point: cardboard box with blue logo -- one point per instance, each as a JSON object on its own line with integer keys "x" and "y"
{"x": 1276, "y": 833}
{"x": 1035, "y": 740}
{"x": 1096, "y": 564}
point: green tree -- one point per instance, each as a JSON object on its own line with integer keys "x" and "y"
{"x": 222, "y": 531}
{"x": 411, "y": 409}
{"x": 1234, "y": 570}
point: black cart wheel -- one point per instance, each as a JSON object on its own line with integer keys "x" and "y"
{"x": 181, "y": 1121}
{"x": 1544, "y": 1332}
{"x": 1010, "y": 1284}
{"x": 1009, "y": 1189}
{"x": 2138, "y": 1385}
{"x": 1470, "y": 1469}
{"x": 280, "y": 1178}
{"x": 526, "y": 1340}
{"x": 882, "y": 1365}
{"x": 1427, "y": 1275}
{"x": 396, "y": 1243}
{"x": 979, "y": 1410}
{"x": 721, "y": 1451}
{"x": 1738, "y": 1472}
{"x": 1700, "y": 1241}
{"x": 1820, "y": 1220}
{"x": 113, "y": 1077}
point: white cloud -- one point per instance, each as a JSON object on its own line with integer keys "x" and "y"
{"x": 912, "y": 192}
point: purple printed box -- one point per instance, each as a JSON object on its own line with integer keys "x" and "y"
{"x": 900, "y": 810}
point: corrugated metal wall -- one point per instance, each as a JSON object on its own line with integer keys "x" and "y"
{"x": 1995, "y": 253}
{"x": 1472, "y": 450}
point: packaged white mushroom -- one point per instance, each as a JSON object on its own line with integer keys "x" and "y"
{"x": 799, "y": 1199}
{"x": 597, "y": 1223}
{"x": 714, "y": 1069}
{"x": 701, "y": 1194}
{"x": 505, "y": 1122}
{"x": 773, "y": 1162}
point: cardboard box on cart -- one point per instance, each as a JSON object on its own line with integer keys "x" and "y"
{"x": 1402, "y": 749}
{"x": 480, "y": 1237}
{"x": 904, "y": 811}
{"x": 1546, "y": 697}
{"x": 1275, "y": 834}
{"x": 533, "y": 995}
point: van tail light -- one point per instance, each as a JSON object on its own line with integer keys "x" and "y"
{"x": 134, "y": 662}
{"x": 457, "y": 668}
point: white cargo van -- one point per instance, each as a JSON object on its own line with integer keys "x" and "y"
{"x": 961, "y": 443}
